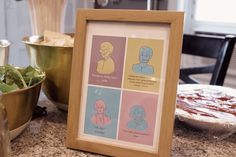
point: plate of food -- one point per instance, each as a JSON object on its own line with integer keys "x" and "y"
{"x": 207, "y": 107}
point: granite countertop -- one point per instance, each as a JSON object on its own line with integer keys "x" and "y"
{"x": 45, "y": 137}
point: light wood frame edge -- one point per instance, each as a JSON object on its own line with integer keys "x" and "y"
{"x": 175, "y": 19}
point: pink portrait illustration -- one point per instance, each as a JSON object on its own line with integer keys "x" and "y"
{"x": 100, "y": 118}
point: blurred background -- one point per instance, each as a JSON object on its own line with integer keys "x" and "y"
{"x": 201, "y": 17}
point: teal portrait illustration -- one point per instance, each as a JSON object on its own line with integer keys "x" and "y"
{"x": 102, "y": 108}
{"x": 143, "y": 67}
{"x": 137, "y": 118}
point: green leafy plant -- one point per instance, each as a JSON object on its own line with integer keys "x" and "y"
{"x": 12, "y": 78}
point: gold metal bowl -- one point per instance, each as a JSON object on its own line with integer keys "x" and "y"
{"x": 56, "y": 62}
{"x": 20, "y": 105}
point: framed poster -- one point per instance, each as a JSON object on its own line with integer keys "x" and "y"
{"x": 124, "y": 77}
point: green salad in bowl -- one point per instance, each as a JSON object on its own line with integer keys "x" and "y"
{"x": 19, "y": 93}
{"x": 12, "y": 78}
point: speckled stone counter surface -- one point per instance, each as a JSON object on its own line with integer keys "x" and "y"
{"x": 45, "y": 137}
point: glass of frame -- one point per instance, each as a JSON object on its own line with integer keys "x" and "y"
{"x": 125, "y": 71}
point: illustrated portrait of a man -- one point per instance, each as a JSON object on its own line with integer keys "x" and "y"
{"x": 106, "y": 65}
{"x": 137, "y": 121}
{"x": 143, "y": 67}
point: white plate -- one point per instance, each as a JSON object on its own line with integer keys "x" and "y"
{"x": 224, "y": 123}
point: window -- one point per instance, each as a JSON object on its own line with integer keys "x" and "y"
{"x": 209, "y": 17}
{"x": 215, "y": 11}
{"x": 214, "y": 16}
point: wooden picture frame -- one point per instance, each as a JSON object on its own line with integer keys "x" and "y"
{"x": 124, "y": 77}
